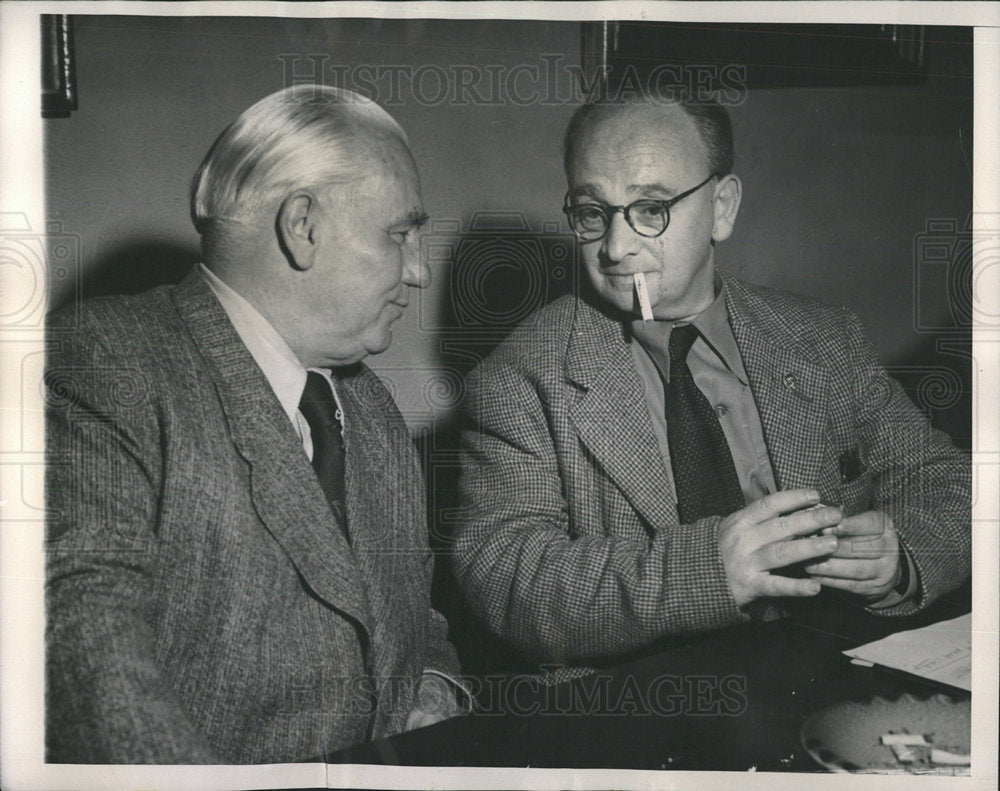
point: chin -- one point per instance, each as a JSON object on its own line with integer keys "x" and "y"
{"x": 623, "y": 300}
{"x": 379, "y": 343}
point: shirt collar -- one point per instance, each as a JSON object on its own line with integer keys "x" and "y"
{"x": 281, "y": 367}
{"x": 712, "y": 323}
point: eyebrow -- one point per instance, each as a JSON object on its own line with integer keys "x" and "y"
{"x": 587, "y": 190}
{"x": 645, "y": 188}
{"x": 415, "y": 219}
{"x": 593, "y": 191}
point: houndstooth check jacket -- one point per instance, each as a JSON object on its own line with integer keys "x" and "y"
{"x": 570, "y": 546}
{"x": 203, "y": 604}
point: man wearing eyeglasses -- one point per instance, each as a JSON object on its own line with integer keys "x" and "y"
{"x": 631, "y": 478}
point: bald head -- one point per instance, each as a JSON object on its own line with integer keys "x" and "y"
{"x": 628, "y": 136}
{"x": 708, "y": 122}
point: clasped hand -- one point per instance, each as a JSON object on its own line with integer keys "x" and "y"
{"x": 858, "y": 554}
{"x": 866, "y": 561}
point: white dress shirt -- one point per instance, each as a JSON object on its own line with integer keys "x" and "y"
{"x": 282, "y": 368}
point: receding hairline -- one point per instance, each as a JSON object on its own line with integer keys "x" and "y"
{"x": 290, "y": 126}
{"x": 662, "y": 117}
{"x": 711, "y": 119}
{"x": 374, "y": 156}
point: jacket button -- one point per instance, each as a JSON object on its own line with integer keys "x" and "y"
{"x": 791, "y": 381}
{"x": 721, "y": 410}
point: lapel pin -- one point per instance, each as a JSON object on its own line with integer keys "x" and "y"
{"x": 791, "y": 383}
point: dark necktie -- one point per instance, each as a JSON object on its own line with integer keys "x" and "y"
{"x": 704, "y": 473}
{"x": 319, "y": 408}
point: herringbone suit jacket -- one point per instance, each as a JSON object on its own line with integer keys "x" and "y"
{"x": 203, "y": 604}
{"x": 570, "y": 546}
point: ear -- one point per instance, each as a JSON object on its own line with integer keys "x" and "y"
{"x": 728, "y": 193}
{"x": 296, "y": 228}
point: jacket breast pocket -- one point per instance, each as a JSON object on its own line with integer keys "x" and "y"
{"x": 856, "y": 496}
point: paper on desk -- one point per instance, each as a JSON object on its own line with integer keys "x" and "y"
{"x": 941, "y": 652}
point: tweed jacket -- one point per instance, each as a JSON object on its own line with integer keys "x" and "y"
{"x": 203, "y": 605}
{"x": 570, "y": 546}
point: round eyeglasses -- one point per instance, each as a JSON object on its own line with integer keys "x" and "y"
{"x": 648, "y": 217}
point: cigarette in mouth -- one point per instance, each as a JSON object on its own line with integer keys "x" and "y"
{"x": 640, "y": 288}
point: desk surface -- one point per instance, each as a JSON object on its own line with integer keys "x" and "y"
{"x": 732, "y": 700}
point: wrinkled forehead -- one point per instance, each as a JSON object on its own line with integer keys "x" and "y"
{"x": 380, "y": 153}
{"x": 384, "y": 174}
{"x": 381, "y": 159}
{"x": 637, "y": 135}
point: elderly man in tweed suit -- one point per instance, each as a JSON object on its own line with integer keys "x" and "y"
{"x": 210, "y": 597}
{"x": 604, "y": 509}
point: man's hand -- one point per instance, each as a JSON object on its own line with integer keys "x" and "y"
{"x": 866, "y": 561}
{"x": 767, "y": 535}
{"x": 433, "y": 702}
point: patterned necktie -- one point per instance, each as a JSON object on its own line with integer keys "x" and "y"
{"x": 319, "y": 408}
{"x": 704, "y": 473}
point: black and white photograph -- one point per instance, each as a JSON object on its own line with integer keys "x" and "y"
{"x": 501, "y": 395}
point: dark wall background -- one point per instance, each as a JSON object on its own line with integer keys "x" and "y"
{"x": 847, "y": 189}
{"x": 155, "y": 92}
{"x": 854, "y": 195}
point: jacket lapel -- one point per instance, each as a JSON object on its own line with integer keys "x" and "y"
{"x": 789, "y": 388}
{"x": 611, "y": 416}
{"x": 285, "y": 492}
{"x": 385, "y": 504}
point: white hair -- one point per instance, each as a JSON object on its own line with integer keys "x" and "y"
{"x": 300, "y": 137}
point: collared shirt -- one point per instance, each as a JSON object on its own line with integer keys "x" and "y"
{"x": 716, "y": 366}
{"x": 717, "y": 369}
{"x": 287, "y": 377}
{"x": 282, "y": 368}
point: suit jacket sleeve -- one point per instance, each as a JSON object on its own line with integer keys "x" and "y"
{"x": 105, "y": 689}
{"x": 915, "y": 475}
{"x": 441, "y": 657}
{"x": 557, "y": 589}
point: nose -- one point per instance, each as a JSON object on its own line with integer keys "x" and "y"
{"x": 416, "y": 273}
{"x": 620, "y": 241}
